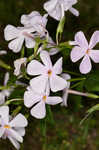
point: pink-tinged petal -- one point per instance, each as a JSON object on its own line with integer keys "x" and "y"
{"x": 74, "y": 11}
{"x": 45, "y": 57}
{"x": 2, "y": 130}
{"x": 19, "y": 121}
{"x": 39, "y": 83}
{"x": 30, "y": 98}
{"x": 10, "y": 32}
{"x": 53, "y": 100}
{"x": 81, "y": 40}
{"x": 39, "y": 111}
{"x": 15, "y": 135}
{"x": 4, "y": 113}
{"x": 94, "y": 39}
{"x": 94, "y": 54}
{"x": 57, "y": 68}
{"x": 29, "y": 42}
{"x": 76, "y": 54}
{"x": 57, "y": 83}
{"x": 16, "y": 44}
{"x": 14, "y": 142}
{"x": 35, "y": 68}
{"x": 85, "y": 66}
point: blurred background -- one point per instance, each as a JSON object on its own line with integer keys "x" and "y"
{"x": 65, "y": 131}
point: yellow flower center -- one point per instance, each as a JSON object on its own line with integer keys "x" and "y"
{"x": 7, "y": 127}
{"x": 44, "y": 98}
{"x": 49, "y": 72}
{"x": 87, "y": 52}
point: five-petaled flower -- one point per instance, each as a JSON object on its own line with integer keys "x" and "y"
{"x": 82, "y": 49}
{"x": 40, "y": 99}
{"x": 18, "y": 35}
{"x": 13, "y": 129}
{"x": 56, "y": 8}
{"x": 48, "y": 74}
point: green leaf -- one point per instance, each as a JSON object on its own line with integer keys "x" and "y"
{"x": 92, "y": 82}
{"x": 94, "y": 108}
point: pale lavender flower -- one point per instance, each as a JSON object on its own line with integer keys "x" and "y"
{"x": 39, "y": 100}
{"x": 35, "y": 20}
{"x": 57, "y": 8}
{"x": 13, "y": 129}
{"x": 47, "y": 74}
{"x": 18, "y": 35}
{"x": 85, "y": 50}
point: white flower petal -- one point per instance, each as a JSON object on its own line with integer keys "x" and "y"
{"x": 2, "y": 97}
{"x": 4, "y": 113}
{"x": 39, "y": 83}
{"x": 20, "y": 130}
{"x": 25, "y": 19}
{"x": 15, "y": 135}
{"x": 81, "y": 40}
{"x": 2, "y": 130}
{"x": 29, "y": 42}
{"x": 46, "y": 59}
{"x": 94, "y": 39}
{"x": 74, "y": 11}
{"x": 14, "y": 142}
{"x": 6, "y": 78}
{"x": 10, "y": 32}
{"x": 57, "y": 68}
{"x": 17, "y": 64}
{"x": 39, "y": 111}
{"x": 85, "y": 65}
{"x": 50, "y": 5}
{"x": 94, "y": 54}
{"x": 76, "y": 53}
{"x": 3, "y": 52}
{"x": 30, "y": 98}
{"x": 19, "y": 121}
{"x": 53, "y": 100}
{"x": 35, "y": 68}
{"x": 16, "y": 44}
{"x": 57, "y": 83}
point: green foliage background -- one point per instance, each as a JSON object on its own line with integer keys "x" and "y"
{"x": 65, "y": 132}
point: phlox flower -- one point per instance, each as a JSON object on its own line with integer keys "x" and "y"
{"x": 85, "y": 50}
{"x": 57, "y": 8}
{"x": 35, "y": 20}
{"x": 13, "y": 129}
{"x": 6, "y": 92}
{"x": 17, "y": 64}
{"x": 18, "y": 35}
{"x": 39, "y": 99}
{"x": 47, "y": 74}
{"x": 65, "y": 91}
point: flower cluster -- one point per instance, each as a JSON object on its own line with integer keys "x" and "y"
{"x": 45, "y": 79}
